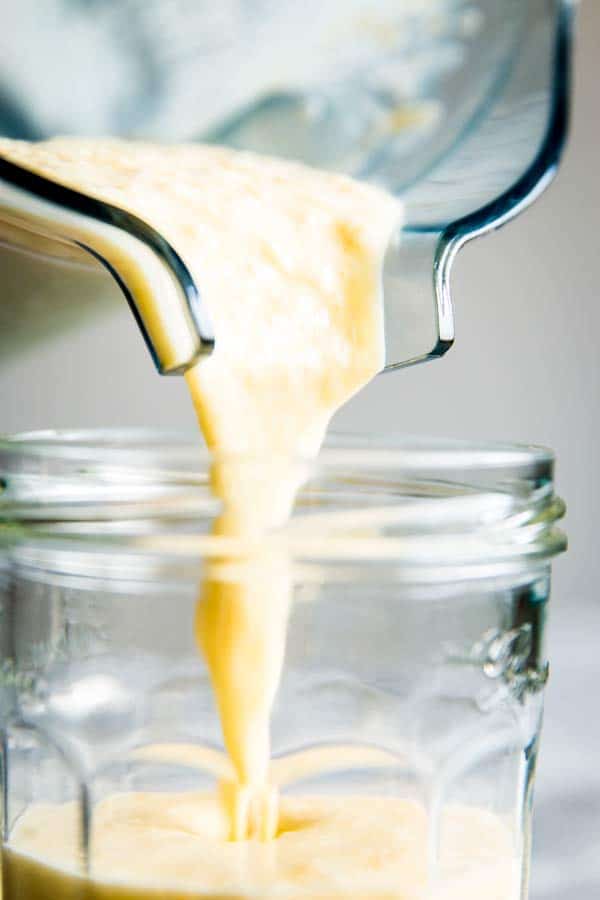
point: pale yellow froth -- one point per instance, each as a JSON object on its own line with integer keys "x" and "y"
{"x": 327, "y": 847}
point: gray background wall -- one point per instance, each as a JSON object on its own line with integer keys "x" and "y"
{"x": 525, "y": 367}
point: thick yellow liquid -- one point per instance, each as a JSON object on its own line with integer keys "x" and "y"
{"x": 176, "y": 845}
{"x": 289, "y": 261}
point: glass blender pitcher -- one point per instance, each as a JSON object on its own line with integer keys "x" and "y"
{"x": 457, "y": 106}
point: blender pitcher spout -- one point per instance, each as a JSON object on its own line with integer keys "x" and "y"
{"x": 42, "y": 216}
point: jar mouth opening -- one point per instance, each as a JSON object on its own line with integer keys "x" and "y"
{"x": 425, "y": 506}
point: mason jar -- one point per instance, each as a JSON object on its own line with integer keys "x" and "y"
{"x": 412, "y": 680}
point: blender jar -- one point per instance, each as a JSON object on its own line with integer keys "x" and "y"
{"x": 414, "y": 663}
{"x": 458, "y": 107}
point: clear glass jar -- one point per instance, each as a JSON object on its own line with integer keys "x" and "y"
{"x": 414, "y": 665}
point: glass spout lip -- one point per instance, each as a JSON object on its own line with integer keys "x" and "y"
{"x": 132, "y": 500}
{"x": 99, "y": 212}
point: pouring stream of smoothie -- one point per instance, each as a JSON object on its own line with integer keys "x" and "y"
{"x": 289, "y": 261}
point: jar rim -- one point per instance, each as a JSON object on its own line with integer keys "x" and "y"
{"x": 150, "y": 445}
{"x": 425, "y": 506}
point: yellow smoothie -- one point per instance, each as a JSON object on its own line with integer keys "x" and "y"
{"x": 289, "y": 261}
{"x": 170, "y": 846}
